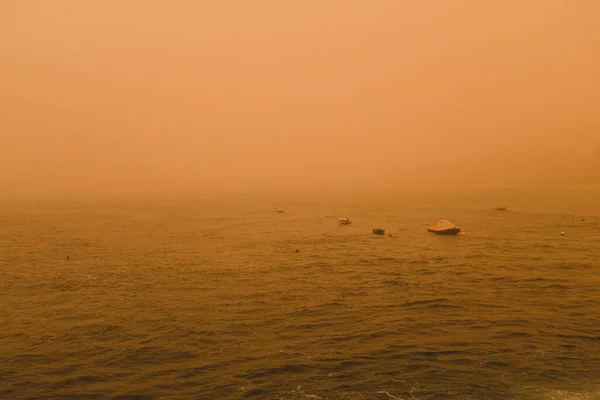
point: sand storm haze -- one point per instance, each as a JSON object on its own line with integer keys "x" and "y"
{"x": 144, "y": 146}
{"x": 197, "y": 95}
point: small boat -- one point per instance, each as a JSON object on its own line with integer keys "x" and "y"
{"x": 444, "y": 227}
{"x": 279, "y": 211}
{"x": 501, "y": 209}
{"x": 344, "y": 221}
{"x": 379, "y": 231}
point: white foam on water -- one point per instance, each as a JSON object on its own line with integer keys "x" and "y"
{"x": 568, "y": 395}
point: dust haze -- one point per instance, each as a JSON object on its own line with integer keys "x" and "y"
{"x": 153, "y": 96}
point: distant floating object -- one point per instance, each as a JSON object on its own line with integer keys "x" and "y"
{"x": 379, "y": 231}
{"x": 463, "y": 234}
{"x": 501, "y": 209}
{"x": 344, "y": 221}
{"x": 562, "y": 234}
{"x": 68, "y": 257}
{"x": 279, "y": 211}
{"x": 444, "y": 227}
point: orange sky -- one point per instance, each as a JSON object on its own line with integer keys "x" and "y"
{"x": 115, "y": 96}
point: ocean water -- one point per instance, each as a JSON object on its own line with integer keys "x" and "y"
{"x": 222, "y": 298}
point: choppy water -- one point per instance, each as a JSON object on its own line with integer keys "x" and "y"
{"x": 206, "y": 299}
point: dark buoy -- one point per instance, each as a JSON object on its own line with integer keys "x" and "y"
{"x": 297, "y": 251}
{"x": 68, "y": 257}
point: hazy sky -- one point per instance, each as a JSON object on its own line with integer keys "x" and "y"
{"x": 123, "y": 96}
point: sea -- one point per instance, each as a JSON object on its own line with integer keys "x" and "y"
{"x": 220, "y": 297}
